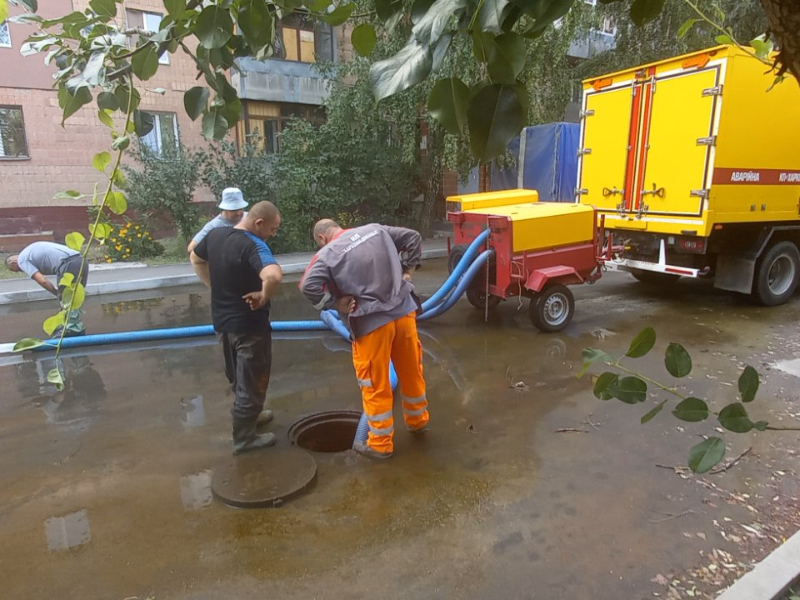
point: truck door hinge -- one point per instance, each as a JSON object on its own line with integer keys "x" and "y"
{"x": 581, "y": 191}
{"x": 582, "y": 151}
{"x": 587, "y": 113}
{"x": 713, "y": 91}
{"x": 699, "y": 194}
{"x": 707, "y": 141}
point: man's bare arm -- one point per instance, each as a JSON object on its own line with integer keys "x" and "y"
{"x": 200, "y": 267}
{"x": 271, "y": 279}
{"x": 43, "y": 281}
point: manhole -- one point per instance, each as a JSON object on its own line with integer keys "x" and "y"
{"x": 263, "y": 478}
{"x": 331, "y": 431}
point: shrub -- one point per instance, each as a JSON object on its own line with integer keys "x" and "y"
{"x": 166, "y": 183}
{"x": 130, "y": 241}
{"x": 251, "y": 172}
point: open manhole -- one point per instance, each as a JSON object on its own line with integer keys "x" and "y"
{"x": 331, "y": 431}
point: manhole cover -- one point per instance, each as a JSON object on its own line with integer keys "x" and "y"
{"x": 332, "y": 431}
{"x": 263, "y": 478}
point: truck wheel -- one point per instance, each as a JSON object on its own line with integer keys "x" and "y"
{"x": 552, "y": 308}
{"x": 654, "y": 278}
{"x": 777, "y": 274}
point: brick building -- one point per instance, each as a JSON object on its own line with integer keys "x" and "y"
{"x": 39, "y": 158}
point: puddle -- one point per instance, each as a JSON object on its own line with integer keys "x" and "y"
{"x": 67, "y": 532}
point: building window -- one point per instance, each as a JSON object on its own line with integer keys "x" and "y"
{"x": 5, "y": 35}
{"x": 164, "y": 134}
{"x": 12, "y": 133}
{"x": 304, "y": 39}
{"x": 266, "y": 121}
{"x": 149, "y": 22}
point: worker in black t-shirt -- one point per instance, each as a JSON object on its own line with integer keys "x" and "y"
{"x": 238, "y": 266}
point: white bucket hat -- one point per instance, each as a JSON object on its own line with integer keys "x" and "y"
{"x": 232, "y": 199}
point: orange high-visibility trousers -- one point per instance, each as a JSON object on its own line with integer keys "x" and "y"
{"x": 399, "y": 342}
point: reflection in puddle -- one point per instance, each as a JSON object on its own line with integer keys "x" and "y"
{"x": 195, "y": 412}
{"x": 196, "y": 490}
{"x": 68, "y": 531}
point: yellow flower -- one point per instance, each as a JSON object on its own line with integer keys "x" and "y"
{"x": 118, "y": 247}
{"x": 136, "y": 228}
{"x": 122, "y": 233}
{"x": 108, "y": 259}
{"x": 138, "y": 235}
{"x": 113, "y": 239}
{"x": 127, "y": 250}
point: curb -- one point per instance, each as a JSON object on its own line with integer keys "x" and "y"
{"x": 116, "y": 287}
{"x": 771, "y": 577}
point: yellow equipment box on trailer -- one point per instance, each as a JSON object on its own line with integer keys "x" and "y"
{"x": 695, "y": 163}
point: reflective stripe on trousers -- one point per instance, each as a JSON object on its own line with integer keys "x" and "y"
{"x": 396, "y": 341}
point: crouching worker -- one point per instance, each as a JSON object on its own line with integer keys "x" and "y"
{"x": 238, "y": 266}
{"x": 360, "y": 273}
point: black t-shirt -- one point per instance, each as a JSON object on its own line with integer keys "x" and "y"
{"x": 235, "y": 259}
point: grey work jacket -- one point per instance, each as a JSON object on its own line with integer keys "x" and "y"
{"x": 365, "y": 263}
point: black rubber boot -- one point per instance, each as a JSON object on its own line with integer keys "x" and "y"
{"x": 245, "y": 437}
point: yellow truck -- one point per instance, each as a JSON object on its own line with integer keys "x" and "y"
{"x": 694, "y": 162}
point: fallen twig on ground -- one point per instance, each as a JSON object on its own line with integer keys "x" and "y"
{"x": 671, "y": 516}
{"x": 571, "y": 430}
{"x": 730, "y": 464}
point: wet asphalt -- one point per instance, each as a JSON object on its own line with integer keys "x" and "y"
{"x": 525, "y": 487}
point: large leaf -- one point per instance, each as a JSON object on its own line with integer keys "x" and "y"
{"x": 107, "y": 101}
{"x": 143, "y": 122}
{"x": 631, "y": 390}
{"x": 75, "y": 240}
{"x": 649, "y": 416}
{"x": 145, "y": 62}
{"x": 644, "y": 11}
{"x": 386, "y": 9}
{"x": 117, "y": 203}
{"x": 364, "y": 39}
{"x": 504, "y": 54}
{"x": 418, "y": 9}
{"x": 544, "y": 12}
{"x": 440, "y": 51}
{"x": 126, "y": 95}
{"x": 104, "y": 8}
{"x": 27, "y": 344}
{"x": 3, "y": 10}
{"x": 340, "y": 15}
{"x": 684, "y": 29}
{"x": 175, "y": 8}
{"x": 51, "y": 323}
{"x": 406, "y": 68}
{"x": 257, "y": 25}
{"x": 692, "y": 410}
{"x": 677, "y": 361}
{"x": 593, "y": 355}
{"x": 101, "y": 231}
{"x": 495, "y": 115}
{"x": 706, "y": 454}
{"x": 213, "y": 27}
{"x": 90, "y": 76}
{"x": 73, "y": 299}
{"x": 101, "y": 160}
{"x": 492, "y": 14}
{"x": 734, "y": 418}
{"x": 195, "y": 101}
{"x": 604, "y": 382}
{"x": 748, "y": 384}
{"x": 215, "y": 126}
{"x": 54, "y": 377}
{"x": 642, "y": 343}
{"x": 431, "y": 26}
{"x": 31, "y": 5}
{"x": 447, "y": 103}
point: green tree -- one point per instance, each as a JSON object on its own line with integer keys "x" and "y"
{"x": 249, "y": 170}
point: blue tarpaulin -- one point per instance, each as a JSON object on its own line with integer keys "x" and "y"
{"x": 548, "y": 158}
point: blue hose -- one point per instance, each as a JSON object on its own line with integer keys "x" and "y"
{"x": 462, "y": 286}
{"x": 461, "y": 267}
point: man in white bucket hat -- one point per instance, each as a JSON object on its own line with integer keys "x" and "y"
{"x": 232, "y": 210}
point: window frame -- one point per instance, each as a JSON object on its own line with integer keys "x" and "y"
{"x": 280, "y": 121}
{"x": 27, "y": 155}
{"x": 8, "y": 33}
{"x": 312, "y": 27}
{"x": 159, "y": 152}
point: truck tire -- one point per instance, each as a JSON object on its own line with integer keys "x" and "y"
{"x": 777, "y": 274}
{"x": 476, "y": 295}
{"x": 552, "y": 308}
{"x": 654, "y": 278}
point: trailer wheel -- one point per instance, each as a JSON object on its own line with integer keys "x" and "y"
{"x": 777, "y": 274}
{"x": 552, "y": 308}
{"x": 476, "y": 294}
{"x": 654, "y": 278}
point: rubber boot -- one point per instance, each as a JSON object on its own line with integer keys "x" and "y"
{"x": 245, "y": 437}
{"x": 264, "y": 417}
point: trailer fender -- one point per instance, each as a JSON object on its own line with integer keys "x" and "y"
{"x": 563, "y": 274}
{"x": 735, "y": 272}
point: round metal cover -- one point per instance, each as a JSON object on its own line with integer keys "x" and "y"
{"x": 263, "y": 478}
